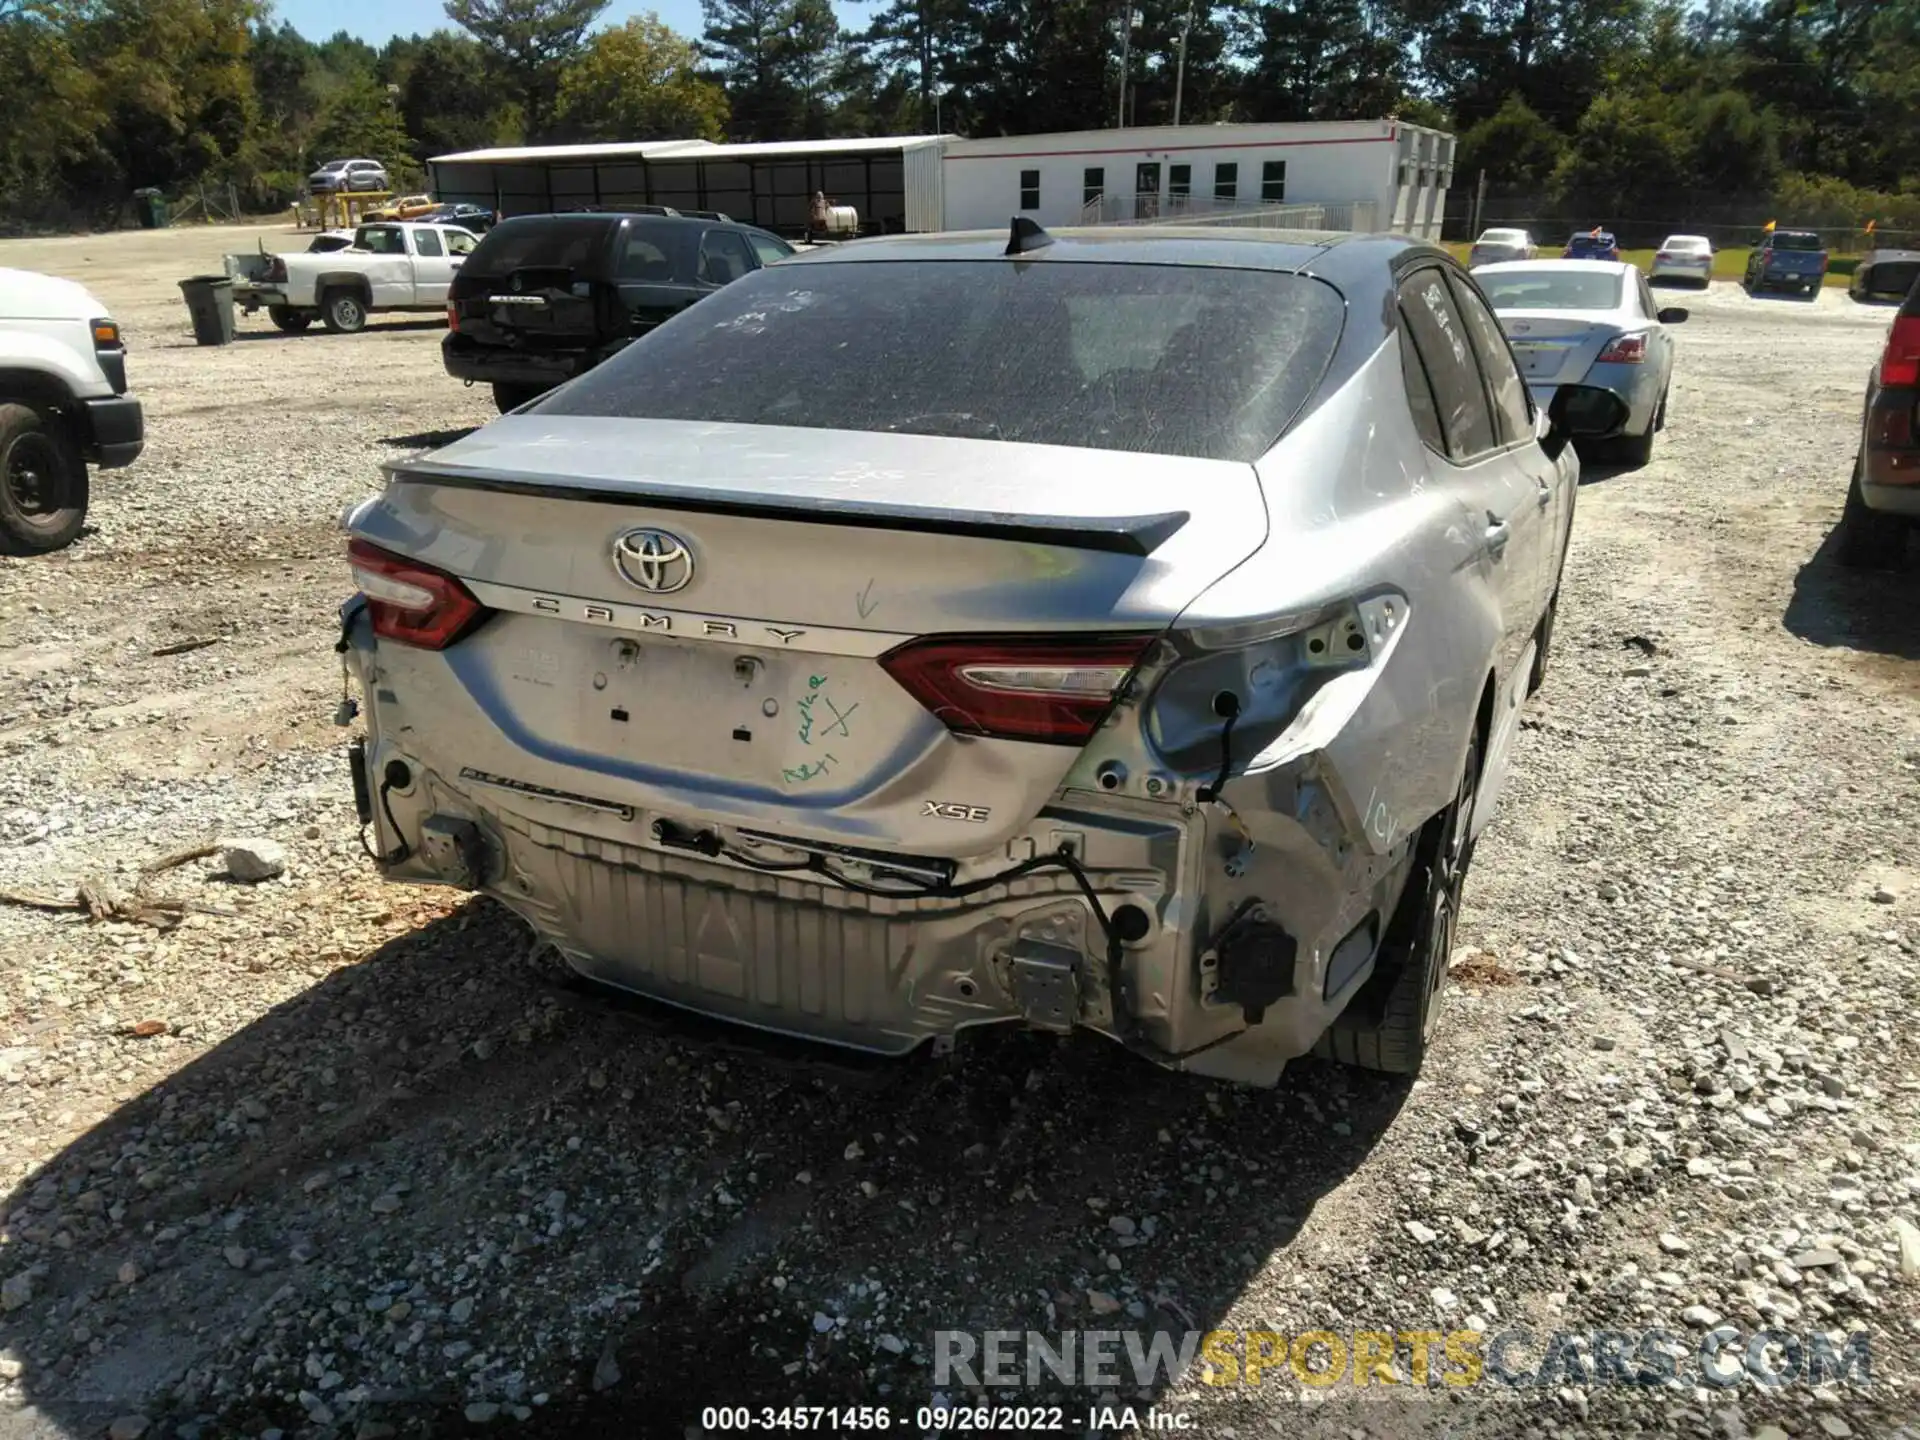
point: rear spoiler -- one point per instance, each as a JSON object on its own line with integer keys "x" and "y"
{"x": 1113, "y": 534}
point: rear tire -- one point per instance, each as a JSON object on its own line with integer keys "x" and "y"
{"x": 43, "y": 481}
{"x": 1418, "y": 946}
{"x": 344, "y": 312}
{"x": 512, "y": 397}
{"x": 1637, "y": 450}
{"x": 286, "y": 318}
{"x": 1869, "y": 540}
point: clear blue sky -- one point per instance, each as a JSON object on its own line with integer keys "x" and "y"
{"x": 375, "y": 21}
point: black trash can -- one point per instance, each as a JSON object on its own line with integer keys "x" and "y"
{"x": 210, "y": 302}
{"x": 152, "y": 207}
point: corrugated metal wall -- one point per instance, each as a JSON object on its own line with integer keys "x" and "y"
{"x": 773, "y": 192}
{"x": 923, "y": 171}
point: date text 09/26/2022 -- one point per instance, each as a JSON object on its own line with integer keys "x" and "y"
{"x": 947, "y": 1420}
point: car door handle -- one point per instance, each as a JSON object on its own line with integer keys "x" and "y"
{"x": 1544, "y": 495}
{"x": 1498, "y": 533}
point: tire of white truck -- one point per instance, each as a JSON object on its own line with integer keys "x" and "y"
{"x": 343, "y": 311}
{"x": 43, "y": 480}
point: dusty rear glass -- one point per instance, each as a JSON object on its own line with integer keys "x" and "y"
{"x": 1551, "y": 289}
{"x": 541, "y": 243}
{"x": 1172, "y": 360}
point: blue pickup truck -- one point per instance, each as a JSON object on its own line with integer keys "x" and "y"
{"x": 1787, "y": 260}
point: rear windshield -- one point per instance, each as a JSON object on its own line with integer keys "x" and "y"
{"x": 541, "y": 244}
{"x": 1795, "y": 240}
{"x": 1504, "y": 237}
{"x": 1685, "y": 242}
{"x": 1171, "y": 360}
{"x": 1551, "y": 289}
{"x": 1893, "y": 277}
{"x": 1583, "y": 241}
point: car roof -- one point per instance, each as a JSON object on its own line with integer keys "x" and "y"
{"x": 1701, "y": 238}
{"x": 1876, "y": 257}
{"x": 1564, "y": 267}
{"x": 1326, "y": 253}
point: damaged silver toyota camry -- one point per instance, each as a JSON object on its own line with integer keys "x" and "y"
{"x": 1113, "y": 629}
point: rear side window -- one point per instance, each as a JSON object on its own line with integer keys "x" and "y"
{"x": 1426, "y": 415}
{"x": 1512, "y": 413}
{"x": 723, "y": 257}
{"x": 645, "y": 261}
{"x": 1162, "y": 359}
{"x": 538, "y": 244}
{"x": 769, "y": 248}
{"x": 426, "y": 242}
{"x": 1447, "y": 355}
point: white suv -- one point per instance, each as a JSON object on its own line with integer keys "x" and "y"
{"x": 63, "y": 403}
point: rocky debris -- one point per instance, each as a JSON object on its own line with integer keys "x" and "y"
{"x": 16, "y": 1291}
{"x": 1907, "y": 1237}
{"x": 128, "y": 1427}
{"x": 251, "y": 861}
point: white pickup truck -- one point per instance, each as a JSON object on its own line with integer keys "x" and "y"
{"x": 63, "y": 404}
{"x": 390, "y": 266}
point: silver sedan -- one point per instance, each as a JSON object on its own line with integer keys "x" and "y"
{"x": 1595, "y": 324}
{"x": 1124, "y": 630}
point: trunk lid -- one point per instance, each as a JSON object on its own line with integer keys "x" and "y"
{"x": 751, "y": 693}
{"x": 1555, "y": 348}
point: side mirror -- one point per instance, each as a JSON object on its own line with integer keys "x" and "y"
{"x": 1673, "y": 315}
{"x": 1580, "y": 412}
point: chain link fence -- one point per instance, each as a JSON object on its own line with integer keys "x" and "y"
{"x": 1724, "y": 220}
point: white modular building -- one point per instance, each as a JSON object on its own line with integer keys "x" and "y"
{"x": 1339, "y": 175}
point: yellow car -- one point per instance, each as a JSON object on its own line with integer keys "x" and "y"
{"x": 405, "y": 207}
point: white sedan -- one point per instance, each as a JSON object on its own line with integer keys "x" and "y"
{"x": 1592, "y": 323}
{"x": 1684, "y": 257}
{"x": 1494, "y": 246}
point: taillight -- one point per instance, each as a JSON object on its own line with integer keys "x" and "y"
{"x": 276, "y": 271}
{"x": 409, "y": 602}
{"x": 1663, "y": 255}
{"x": 453, "y": 316}
{"x": 1047, "y": 689}
{"x": 1624, "y": 350}
{"x": 1900, "y": 365}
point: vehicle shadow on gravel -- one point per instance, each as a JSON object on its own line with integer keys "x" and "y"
{"x": 1872, "y": 610}
{"x": 449, "y": 1175}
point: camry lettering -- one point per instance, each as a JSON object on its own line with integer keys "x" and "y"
{"x": 693, "y": 626}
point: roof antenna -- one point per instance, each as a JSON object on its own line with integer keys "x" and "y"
{"x": 1027, "y": 237}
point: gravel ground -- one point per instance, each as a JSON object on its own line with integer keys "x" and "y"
{"x": 326, "y": 1157}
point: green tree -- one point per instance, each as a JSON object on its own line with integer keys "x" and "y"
{"x": 640, "y": 81}
{"x": 447, "y": 102}
{"x": 531, "y": 42}
{"x": 1515, "y": 146}
{"x": 363, "y": 119}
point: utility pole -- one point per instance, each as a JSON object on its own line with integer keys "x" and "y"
{"x": 1126, "y": 44}
{"x": 1180, "y": 73}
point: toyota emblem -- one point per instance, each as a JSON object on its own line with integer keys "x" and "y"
{"x": 657, "y": 561}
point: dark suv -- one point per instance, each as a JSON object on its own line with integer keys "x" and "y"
{"x": 546, "y": 297}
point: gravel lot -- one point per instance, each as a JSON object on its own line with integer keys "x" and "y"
{"x": 383, "y": 1170}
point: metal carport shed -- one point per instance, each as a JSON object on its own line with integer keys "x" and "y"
{"x": 893, "y": 181}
